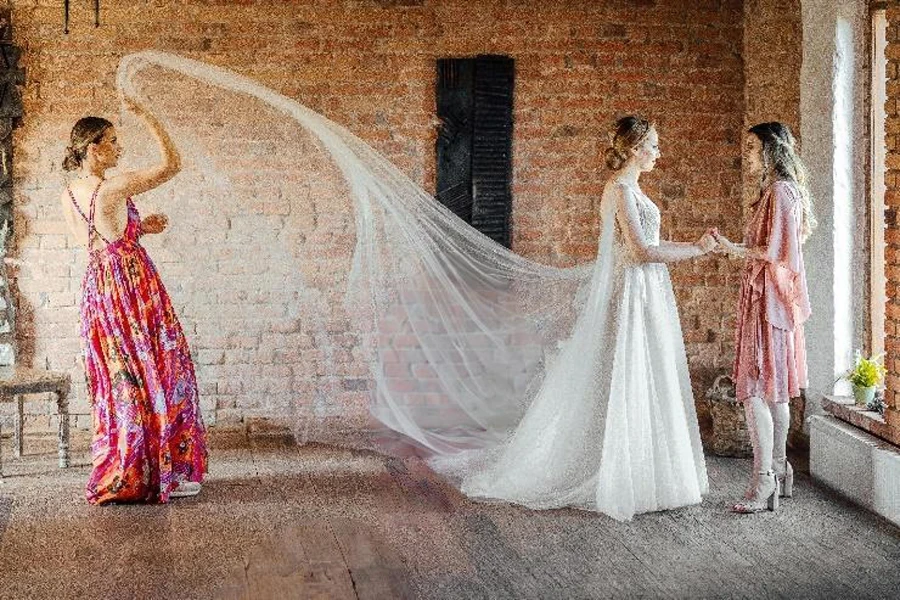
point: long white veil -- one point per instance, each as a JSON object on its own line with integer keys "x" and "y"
{"x": 364, "y": 291}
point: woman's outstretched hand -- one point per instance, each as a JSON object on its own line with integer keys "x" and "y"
{"x": 707, "y": 242}
{"x": 134, "y": 105}
{"x": 155, "y": 223}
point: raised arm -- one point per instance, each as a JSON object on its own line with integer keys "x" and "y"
{"x": 135, "y": 182}
{"x": 629, "y": 221}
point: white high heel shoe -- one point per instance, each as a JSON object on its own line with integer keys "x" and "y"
{"x": 185, "y": 489}
{"x": 765, "y": 497}
{"x": 785, "y": 477}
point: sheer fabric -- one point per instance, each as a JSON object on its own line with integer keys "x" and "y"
{"x": 613, "y": 428}
{"x": 508, "y": 368}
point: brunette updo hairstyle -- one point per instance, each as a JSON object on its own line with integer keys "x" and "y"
{"x": 86, "y": 131}
{"x": 628, "y": 133}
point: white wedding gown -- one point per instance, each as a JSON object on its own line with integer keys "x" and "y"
{"x": 613, "y": 427}
{"x": 525, "y": 382}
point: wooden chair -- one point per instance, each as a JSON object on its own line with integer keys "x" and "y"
{"x": 15, "y": 383}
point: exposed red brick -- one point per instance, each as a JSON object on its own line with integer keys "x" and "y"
{"x": 892, "y": 233}
{"x": 370, "y": 66}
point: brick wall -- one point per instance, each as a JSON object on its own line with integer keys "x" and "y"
{"x": 773, "y": 52}
{"x": 370, "y": 66}
{"x": 892, "y": 232}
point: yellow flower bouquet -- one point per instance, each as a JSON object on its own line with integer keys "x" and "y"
{"x": 865, "y": 376}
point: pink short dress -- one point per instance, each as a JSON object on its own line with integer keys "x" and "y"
{"x": 770, "y": 348}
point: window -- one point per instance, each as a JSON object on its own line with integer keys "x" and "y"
{"x": 474, "y": 143}
{"x": 877, "y": 283}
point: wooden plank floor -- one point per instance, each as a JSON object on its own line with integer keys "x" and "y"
{"x": 279, "y": 521}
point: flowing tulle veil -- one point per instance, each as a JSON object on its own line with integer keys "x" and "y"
{"x": 366, "y": 291}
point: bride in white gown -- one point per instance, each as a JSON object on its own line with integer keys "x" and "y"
{"x": 613, "y": 427}
{"x": 539, "y": 385}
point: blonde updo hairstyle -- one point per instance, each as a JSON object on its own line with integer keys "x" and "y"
{"x": 628, "y": 134}
{"x": 87, "y": 130}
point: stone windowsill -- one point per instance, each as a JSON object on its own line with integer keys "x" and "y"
{"x": 845, "y": 409}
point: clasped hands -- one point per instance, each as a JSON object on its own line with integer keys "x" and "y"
{"x": 713, "y": 241}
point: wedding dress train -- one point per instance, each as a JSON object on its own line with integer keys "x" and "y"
{"x": 540, "y": 385}
{"x": 613, "y": 427}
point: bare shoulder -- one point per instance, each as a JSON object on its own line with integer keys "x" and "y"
{"x": 616, "y": 185}
{"x": 107, "y": 195}
{"x": 71, "y": 209}
{"x": 72, "y": 192}
{"x": 81, "y": 191}
{"x": 65, "y": 201}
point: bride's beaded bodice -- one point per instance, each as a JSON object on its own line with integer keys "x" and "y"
{"x": 650, "y": 217}
{"x": 650, "y": 221}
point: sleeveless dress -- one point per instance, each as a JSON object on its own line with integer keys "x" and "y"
{"x": 148, "y": 430}
{"x": 613, "y": 428}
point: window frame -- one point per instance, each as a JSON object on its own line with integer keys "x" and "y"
{"x": 876, "y": 290}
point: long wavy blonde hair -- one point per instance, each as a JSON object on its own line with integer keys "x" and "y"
{"x": 781, "y": 162}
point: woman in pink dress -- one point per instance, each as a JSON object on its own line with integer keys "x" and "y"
{"x": 770, "y": 350}
{"x": 149, "y": 441}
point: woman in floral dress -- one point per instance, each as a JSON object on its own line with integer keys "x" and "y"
{"x": 149, "y": 443}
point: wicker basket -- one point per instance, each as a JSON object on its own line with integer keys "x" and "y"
{"x": 730, "y": 436}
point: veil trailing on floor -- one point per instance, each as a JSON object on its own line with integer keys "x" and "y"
{"x": 363, "y": 293}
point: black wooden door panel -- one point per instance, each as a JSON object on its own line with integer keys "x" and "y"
{"x": 474, "y": 147}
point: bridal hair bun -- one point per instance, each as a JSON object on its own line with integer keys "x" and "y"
{"x": 85, "y": 132}
{"x": 628, "y": 133}
{"x": 72, "y": 159}
{"x": 614, "y": 158}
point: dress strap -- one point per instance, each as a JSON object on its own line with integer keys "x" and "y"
{"x": 89, "y": 219}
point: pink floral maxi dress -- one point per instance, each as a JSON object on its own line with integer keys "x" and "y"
{"x": 148, "y": 430}
{"x": 770, "y": 348}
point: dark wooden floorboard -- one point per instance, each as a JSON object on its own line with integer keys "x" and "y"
{"x": 279, "y": 521}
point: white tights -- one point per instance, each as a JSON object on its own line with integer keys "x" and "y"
{"x": 768, "y": 425}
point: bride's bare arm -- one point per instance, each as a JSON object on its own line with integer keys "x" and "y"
{"x": 701, "y": 243}
{"x": 664, "y": 252}
{"x": 135, "y": 182}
